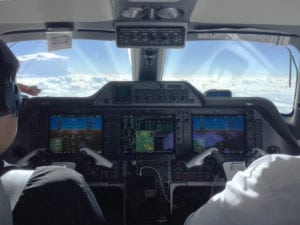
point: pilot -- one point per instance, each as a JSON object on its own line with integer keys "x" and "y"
{"x": 53, "y": 195}
{"x": 266, "y": 193}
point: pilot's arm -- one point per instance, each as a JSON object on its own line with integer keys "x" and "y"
{"x": 31, "y": 90}
{"x": 267, "y": 192}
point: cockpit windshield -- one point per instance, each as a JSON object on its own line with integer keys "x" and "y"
{"x": 79, "y": 71}
{"x": 247, "y": 69}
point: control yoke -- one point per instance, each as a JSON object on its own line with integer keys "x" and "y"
{"x": 258, "y": 152}
{"x": 254, "y": 154}
{"x": 25, "y": 160}
{"x": 99, "y": 159}
{"x": 198, "y": 160}
{"x": 229, "y": 168}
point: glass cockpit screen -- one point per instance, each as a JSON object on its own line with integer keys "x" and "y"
{"x": 147, "y": 133}
{"x": 225, "y": 132}
{"x": 69, "y": 133}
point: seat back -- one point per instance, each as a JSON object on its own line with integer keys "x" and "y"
{"x": 5, "y": 210}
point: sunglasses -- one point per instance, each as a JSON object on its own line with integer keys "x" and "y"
{"x": 10, "y": 99}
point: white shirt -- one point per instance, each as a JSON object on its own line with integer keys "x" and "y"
{"x": 266, "y": 193}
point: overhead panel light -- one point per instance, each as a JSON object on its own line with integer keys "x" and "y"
{"x": 153, "y": 10}
{"x": 169, "y": 13}
{"x": 134, "y": 12}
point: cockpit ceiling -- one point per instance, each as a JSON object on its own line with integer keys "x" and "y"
{"x": 14, "y": 14}
{"x": 41, "y": 11}
{"x": 260, "y": 12}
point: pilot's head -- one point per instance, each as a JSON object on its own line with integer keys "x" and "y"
{"x": 9, "y": 97}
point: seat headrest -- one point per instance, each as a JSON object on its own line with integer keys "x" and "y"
{"x": 5, "y": 210}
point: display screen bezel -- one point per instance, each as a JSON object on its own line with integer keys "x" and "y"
{"x": 154, "y": 152}
{"x": 99, "y": 150}
{"x": 208, "y": 115}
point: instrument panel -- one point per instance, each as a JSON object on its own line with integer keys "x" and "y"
{"x": 148, "y": 120}
{"x": 138, "y": 137}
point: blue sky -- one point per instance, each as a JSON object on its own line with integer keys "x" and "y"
{"x": 86, "y": 57}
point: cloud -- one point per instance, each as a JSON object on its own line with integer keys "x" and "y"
{"x": 52, "y": 73}
{"x": 43, "y": 64}
{"x": 275, "y": 89}
{"x": 82, "y": 85}
{"x": 70, "y": 85}
{"x": 41, "y": 56}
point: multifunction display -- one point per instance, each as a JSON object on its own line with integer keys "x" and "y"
{"x": 69, "y": 133}
{"x": 147, "y": 133}
{"x": 225, "y": 132}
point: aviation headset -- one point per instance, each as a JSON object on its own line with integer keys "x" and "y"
{"x": 10, "y": 98}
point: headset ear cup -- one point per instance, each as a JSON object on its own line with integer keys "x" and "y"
{"x": 9, "y": 98}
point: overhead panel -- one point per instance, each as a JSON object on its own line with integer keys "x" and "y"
{"x": 151, "y": 24}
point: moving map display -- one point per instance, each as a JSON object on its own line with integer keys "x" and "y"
{"x": 69, "y": 133}
{"x": 147, "y": 133}
{"x": 225, "y": 132}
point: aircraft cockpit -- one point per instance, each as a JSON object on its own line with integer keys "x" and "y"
{"x": 158, "y": 104}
